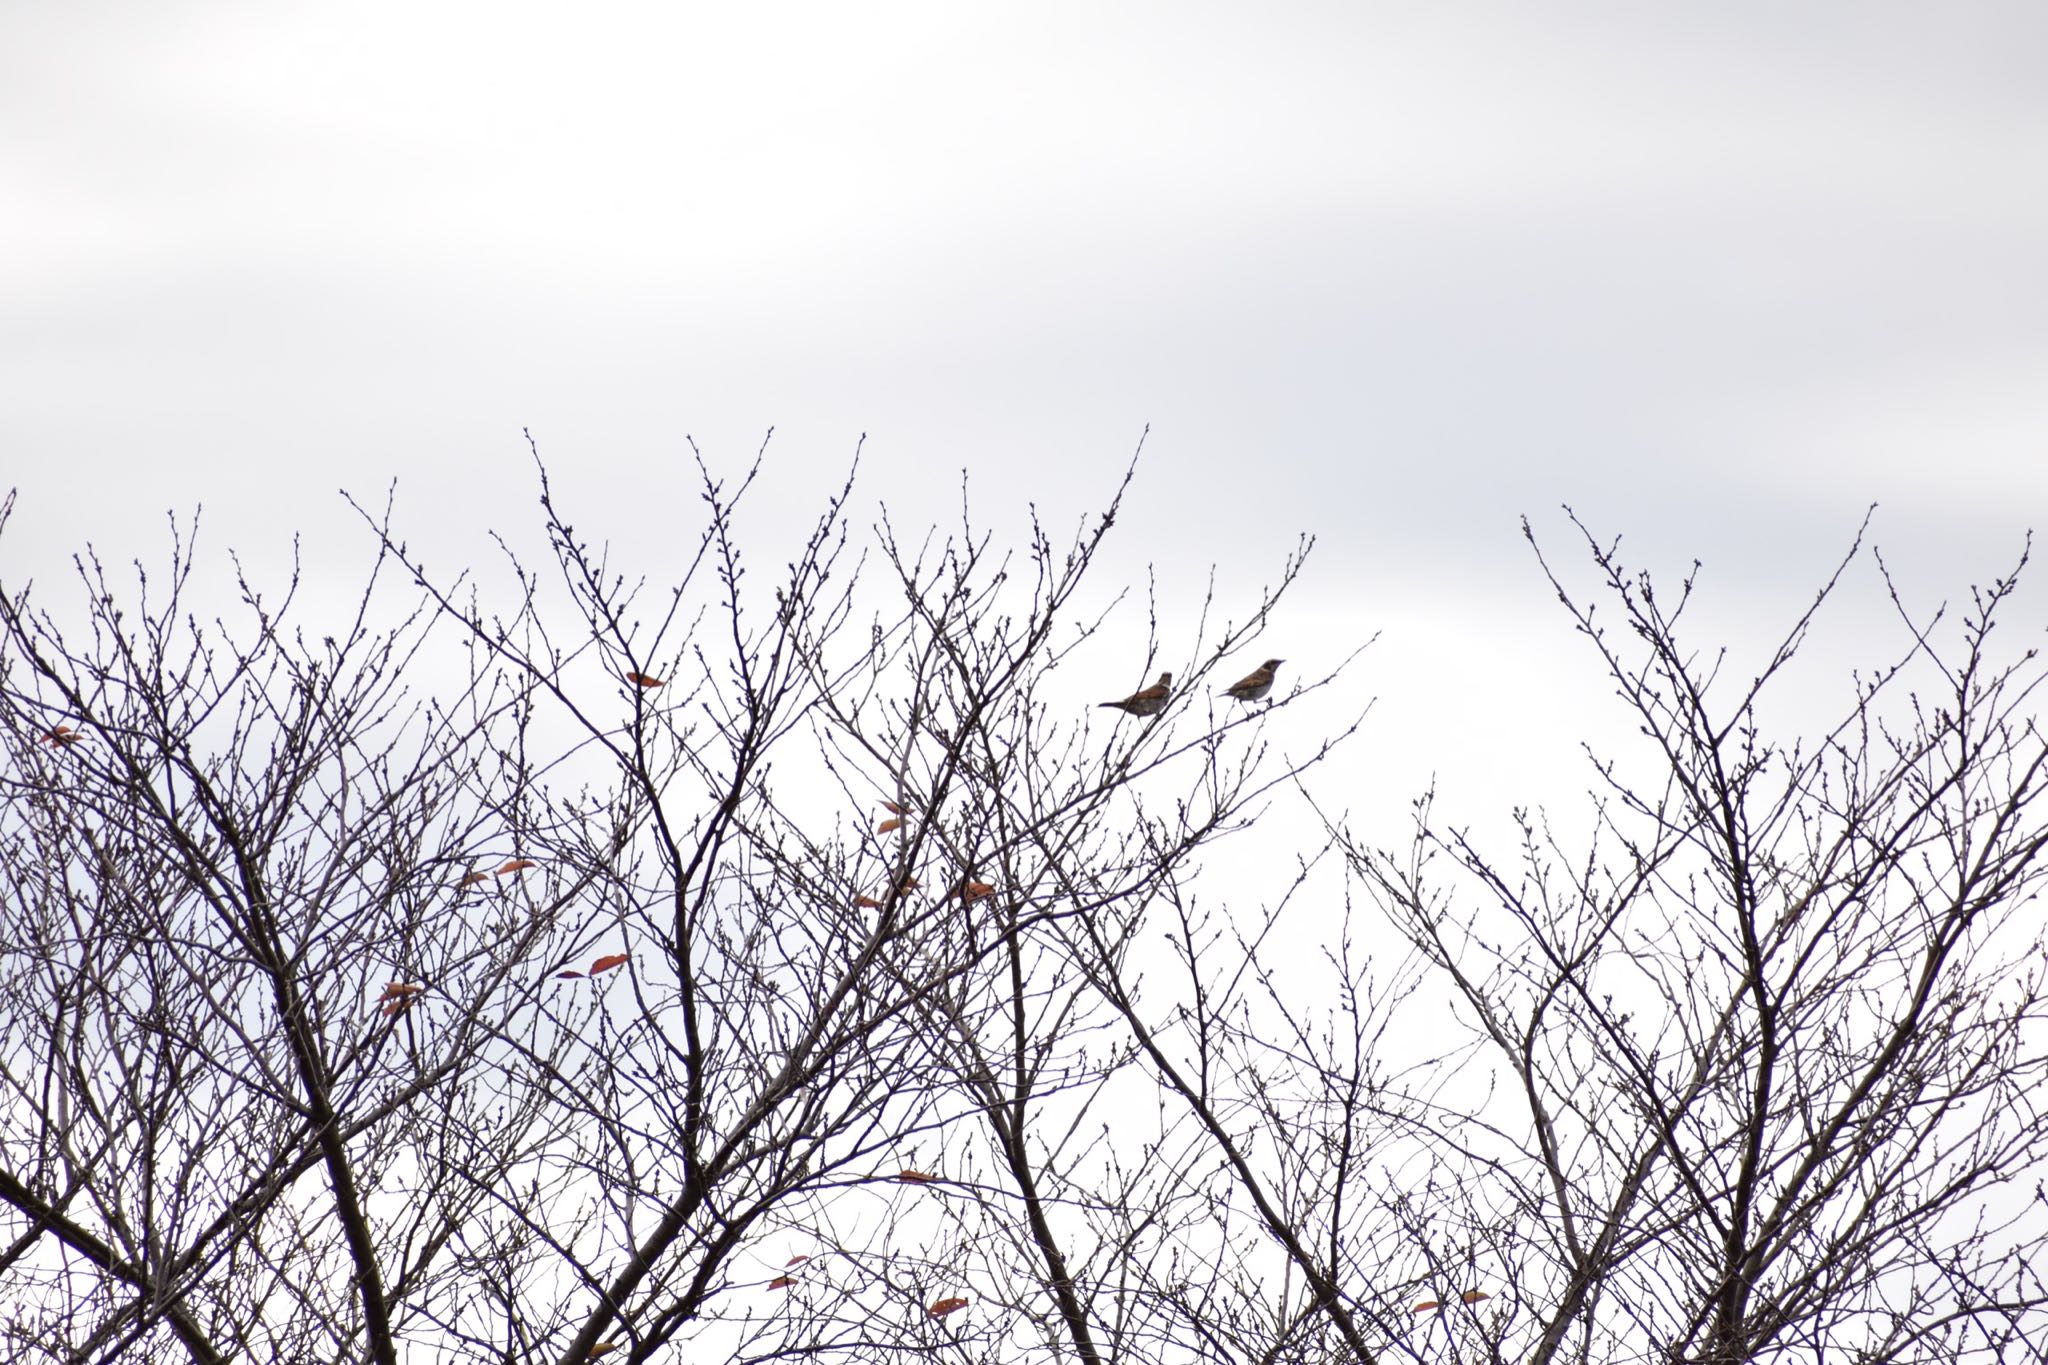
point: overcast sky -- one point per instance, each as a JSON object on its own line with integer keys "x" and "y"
{"x": 1394, "y": 274}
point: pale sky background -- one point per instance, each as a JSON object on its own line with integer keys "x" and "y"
{"x": 1717, "y": 275}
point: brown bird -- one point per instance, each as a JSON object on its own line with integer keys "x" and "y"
{"x": 1256, "y": 683}
{"x": 1149, "y": 701}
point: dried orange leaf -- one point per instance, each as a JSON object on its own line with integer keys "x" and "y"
{"x": 603, "y": 1348}
{"x": 974, "y": 891}
{"x": 888, "y": 825}
{"x": 472, "y": 878}
{"x": 63, "y": 734}
{"x": 1426, "y": 1305}
{"x": 516, "y": 865}
{"x": 606, "y": 963}
{"x": 910, "y": 1177}
{"x": 794, "y": 1260}
{"x": 945, "y": 1306}
{"x": 568, "y": 976}
{"x": 643, "y": 680}
{"x": 867, "y": 902}
{"x": 892, "y": 808}
{"x": 781, "y": 1282}
{"x": 1474, "y": 1296}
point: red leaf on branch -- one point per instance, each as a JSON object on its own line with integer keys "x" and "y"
{"x": 62, "y": 735}
{"x": 892, "y": 808}
{"x": 643, "y": 680}
{"x": 781, "y": 1282}
{"x": 472, "y": 878}
{"x": 910, "y": 1177}
{"x": 870, "y": 903}
{"x": 887, "y": 825}
{"x": 945, "y": 1306}
{"x": 607, "y": 962}
{"x": 516, "y": 865}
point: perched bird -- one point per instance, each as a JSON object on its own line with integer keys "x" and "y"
{"x": 1256, "y": 683}
{"x": 1148, "y": 702}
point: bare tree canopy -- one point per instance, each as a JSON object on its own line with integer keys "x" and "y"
{"x": 762, "y": 960}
